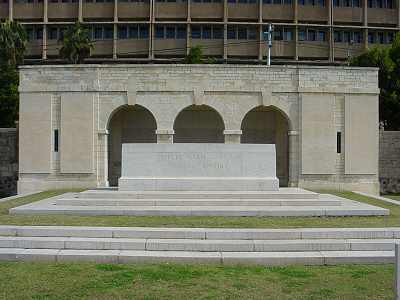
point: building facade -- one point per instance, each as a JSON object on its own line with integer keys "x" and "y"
{"x": 74, "y": 119}
{"x": 230, "y": 30}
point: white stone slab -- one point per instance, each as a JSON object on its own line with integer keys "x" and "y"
{"x": 190, "y": 167}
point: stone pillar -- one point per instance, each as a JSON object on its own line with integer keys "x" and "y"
{"x": 103, "y": 158}
{"x": 165, "y": 136}
{"x": 293, "y": 158}
{"x": 232, "y": 136}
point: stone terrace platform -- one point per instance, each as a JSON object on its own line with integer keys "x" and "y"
{"x": 287, "y": 202}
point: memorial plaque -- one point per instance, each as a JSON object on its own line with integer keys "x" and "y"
{"x": 198, "y": 167}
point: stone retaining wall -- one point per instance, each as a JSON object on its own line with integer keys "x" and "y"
{"x": 8, "y": 161}
{"x": 389, "y": 161}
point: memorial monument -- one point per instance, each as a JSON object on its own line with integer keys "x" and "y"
{"x": 198, "y": 167}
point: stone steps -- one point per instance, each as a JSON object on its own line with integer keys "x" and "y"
{"x": 200, "y": 233}
{"x": 287, "y": 202}
{"x": 195, "y": 202}
{"x": 226, "y": 258}
{"x": 197, "y": 245}
{"x": 210, "y": 211}
{"x": 286, "y": 193}
{"x": 319, "y": 246}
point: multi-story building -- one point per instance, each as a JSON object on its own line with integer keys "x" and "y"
{"x": 318, "y": 30}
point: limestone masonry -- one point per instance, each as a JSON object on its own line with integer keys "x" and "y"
{"x": 74, "y": 119}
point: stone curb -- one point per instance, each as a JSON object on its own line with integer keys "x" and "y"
{"x": 378, "y": 197}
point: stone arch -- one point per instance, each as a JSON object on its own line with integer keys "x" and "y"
{"x": 199, "y": 124}
{"x": 269, "y": 125}
{"x": 127, "y": 124}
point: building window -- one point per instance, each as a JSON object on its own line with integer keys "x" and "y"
{"x": 181, "y": 32}
{"x": 53, "y": 33}
{"x": 143, "y": 32}
{"x": 231, "y": 33}
{"x": 278, "y": 35}
{"x": 170, "y": 32}
{"x": 133, "y": 31}
{"x": 218, "y": 32}
{"x": 321, "y": 36}
{"x": 242, "y": 33}
{"x": 206, "y": 32}
{"x": 390, "y": 37}
{"x": 196, "y": 32}
{"x": 339, "y": 142}
{"x": 159, "y": 33}
{"x": 357, "y": 37}
{"x": 56, "y": 140}
{"x": 302, "y": 35}
{"x": 371, "y": 38}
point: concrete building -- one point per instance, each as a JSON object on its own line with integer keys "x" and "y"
{"x": 230, "y": 30}
{"x": 74, "y": 118}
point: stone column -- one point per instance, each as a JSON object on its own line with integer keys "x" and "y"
{"x": 232, "y": 136}
{"x": 103, "y": 158}
{"x": 293, "y": 157}
{"x": 80, "y": 11}
{"x": 165, "y": 136}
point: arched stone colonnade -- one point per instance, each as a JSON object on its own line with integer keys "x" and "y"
{"x": 213, "y": 121}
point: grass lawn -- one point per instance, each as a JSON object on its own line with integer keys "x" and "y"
{"x": 392, "y": 220}
{"x": 171, "y": 281}
{"x": 393, "y": 196}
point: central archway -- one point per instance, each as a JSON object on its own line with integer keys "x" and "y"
{"x": 268, "y": 125}
{"x": 199, "y": 124}
{"x": 129, "y": 124}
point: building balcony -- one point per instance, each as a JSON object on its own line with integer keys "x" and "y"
{"x": 34, "y": 48}
{"x": 348, "y": 15}
{"x": 242, "y": 11}
{"x": 102, "y": 48}
{"x": 62, "y": 11}
{"x": 169, "y": 47}
{"x": 313, "y": 50}
{"x": 382, "y": 16}
{"x": 244, "y": 48}
{"x": 211, "y": 47}
{"x": 3, "y": 10}
{"x": 53, "y": 48}
{"x": 98, "y": 11}
{"x": 207, "y": 11}
{"x": 280, "y": 49}
{"x": 133, "y": 48}
{"x": 171, "y": 10}
{"x": 344, "y": 50}
{"x": 277, "y": 12}
{"x": 307, "y": 13}
{"x": 133, "y": 10}
{"x": 28, "y": 11}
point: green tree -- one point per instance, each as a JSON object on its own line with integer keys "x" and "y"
{"x": 388, "y": 62}
{"x": 195, "y": 55}
{"x": 13, "y": 40}
{"x": 76, "y": 44}
{"x": 12, "y": 43}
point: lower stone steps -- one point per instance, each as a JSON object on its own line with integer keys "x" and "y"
{"x": 196, "y": 202}
{"x": 226, "y": 258}
{"x": 200, "y": 233}
{"x": 305, "y": 246}
{"x": 197, "y": 245}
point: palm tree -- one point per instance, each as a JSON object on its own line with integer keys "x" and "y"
{"x": 76, "y": 44}
{"x": 12, "y": 43}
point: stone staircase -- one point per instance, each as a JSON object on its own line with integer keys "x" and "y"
{"x": 285, "y": 202}
{"x": 319, "y": 246}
